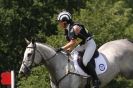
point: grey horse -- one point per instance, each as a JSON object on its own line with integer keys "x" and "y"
{"x": 118, "y": 53}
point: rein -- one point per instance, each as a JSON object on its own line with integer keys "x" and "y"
{"x": 56, "y": 82}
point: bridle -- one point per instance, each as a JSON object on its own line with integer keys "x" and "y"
{"x": 33, "y": 57}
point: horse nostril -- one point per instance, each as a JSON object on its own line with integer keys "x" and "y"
{"x": 21, "y": 74}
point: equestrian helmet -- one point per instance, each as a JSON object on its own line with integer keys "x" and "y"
{"x": 64, "y": 16}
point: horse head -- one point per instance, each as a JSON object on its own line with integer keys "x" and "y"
{"x": 33, "y": 56}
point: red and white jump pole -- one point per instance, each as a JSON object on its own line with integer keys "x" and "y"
{"x": 12, "y": 79}
{"x": 8, "y": 79}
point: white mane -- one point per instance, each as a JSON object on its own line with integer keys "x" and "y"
{"x": 50, "y": 50}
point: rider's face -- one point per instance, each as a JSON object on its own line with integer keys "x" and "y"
{"x": 63, "y": 24}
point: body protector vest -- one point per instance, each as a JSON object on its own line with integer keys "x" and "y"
{"x": 70, "y": 34}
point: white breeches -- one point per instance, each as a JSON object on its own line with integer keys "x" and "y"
{"x": 89, "y": 47}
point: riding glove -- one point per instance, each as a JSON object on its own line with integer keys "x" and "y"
{"x": 59, "y": 49}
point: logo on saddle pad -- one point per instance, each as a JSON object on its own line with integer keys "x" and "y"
{"x": 101, "y": 65}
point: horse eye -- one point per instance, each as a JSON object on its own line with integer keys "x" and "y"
{"x": 29, "y": 54}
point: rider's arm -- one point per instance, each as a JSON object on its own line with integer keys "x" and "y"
{"x": 73, "y": 42}
{"x": 70, "y": 44}
{"x": 76, "y": 29}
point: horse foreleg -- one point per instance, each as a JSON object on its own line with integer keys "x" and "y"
{"x": 52, "y": 85}
{"x": 88, "y": 84}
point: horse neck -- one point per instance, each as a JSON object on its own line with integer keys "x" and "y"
{"x": 54, "y": 62}
{"x": 57, "y": 66}
{"x": 46, "y": 51}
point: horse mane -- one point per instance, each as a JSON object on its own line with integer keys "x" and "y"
{"x": 46, "y": 45}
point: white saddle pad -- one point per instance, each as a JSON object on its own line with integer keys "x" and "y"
{"x": 101, "y": 65}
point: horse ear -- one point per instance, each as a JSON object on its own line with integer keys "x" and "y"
{"x": 33, "y": 40}
{"x": 27, "y": 41}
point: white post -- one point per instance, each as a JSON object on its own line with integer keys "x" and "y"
{"x": 12, "y": 79}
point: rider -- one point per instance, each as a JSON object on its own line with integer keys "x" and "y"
{"x": 73, "y": 32}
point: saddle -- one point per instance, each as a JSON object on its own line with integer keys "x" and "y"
{"x": 80, "y": 60}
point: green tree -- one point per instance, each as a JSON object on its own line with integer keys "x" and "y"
{"x": 106, "y": 19}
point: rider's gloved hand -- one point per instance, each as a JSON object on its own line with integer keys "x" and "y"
{"x": 59, "y": 49}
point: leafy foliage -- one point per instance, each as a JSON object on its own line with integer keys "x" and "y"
{"x": 107, "y": 20}
{"x": 36, "y": 80}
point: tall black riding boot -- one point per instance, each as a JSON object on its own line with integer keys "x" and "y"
{"x": 91, "y": 68}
